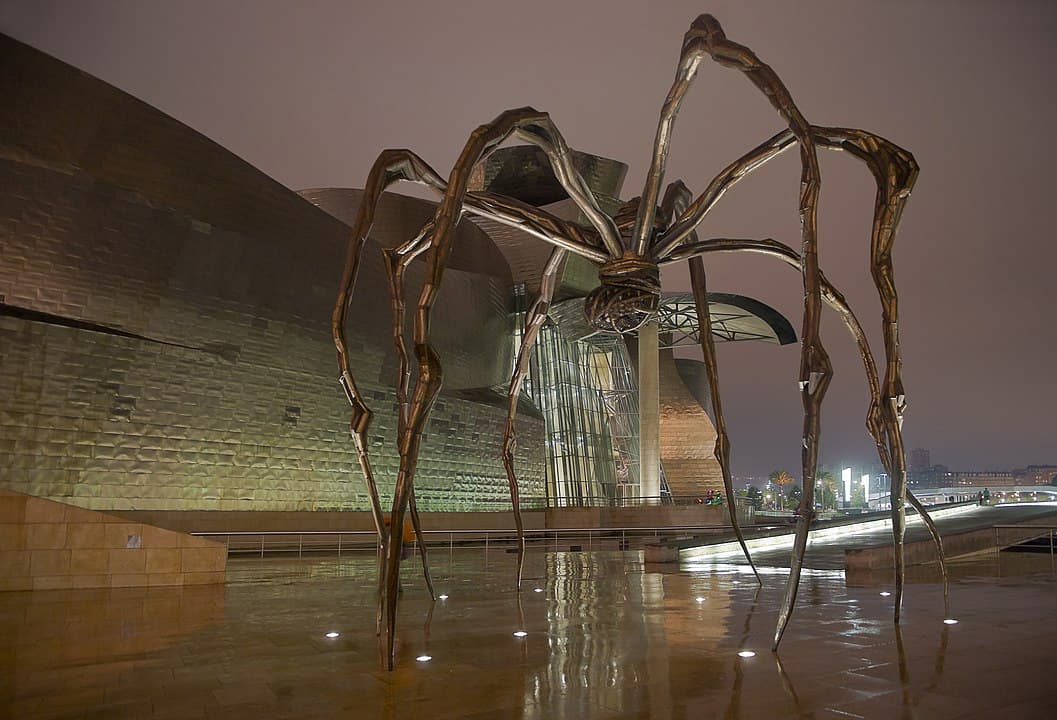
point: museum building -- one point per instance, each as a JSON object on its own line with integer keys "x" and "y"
{"x": 165, "y": 337}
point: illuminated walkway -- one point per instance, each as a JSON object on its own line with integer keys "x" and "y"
{"x": 606, "y": 638}
{"x": 826, "y": 550}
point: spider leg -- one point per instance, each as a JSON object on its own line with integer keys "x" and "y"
{"x": 533, "y": 322}
{"x": 815, "y": 368}
{"x": 679, "y": 233}
{"x": 894, "y": 170}
{"x": 537, "y": 128}
{"x": 388, "y": 168}
{"x": 403, "y": 165}
{"x": 708, "y": 349}
{"x": 705, "y": 38}
{"x": 876, "y": 424}
{"x": 396, "y": 262}
{"x": 676, "y": 198}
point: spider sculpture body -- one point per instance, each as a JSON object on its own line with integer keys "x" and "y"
{"x": 650, "y": 231}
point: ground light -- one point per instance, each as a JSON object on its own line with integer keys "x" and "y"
{"x": 442, "y": 597}
{"x": 885, "y": 593}
{"x": 950, "y": 621}
{"x": 746, "y": 654}
{"x": 520, "y": 634}
{"x": 332, "y": 634}
{"x": 537, "y": 589}
{"x": 700, "y": 599}
{"x": 424, "y": 658}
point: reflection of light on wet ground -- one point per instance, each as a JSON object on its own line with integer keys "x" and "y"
{"x": 610, "y": 637}
{"x": 819, "y": 536}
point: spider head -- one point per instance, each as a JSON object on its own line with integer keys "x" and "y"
{"x": 628, "y": 296}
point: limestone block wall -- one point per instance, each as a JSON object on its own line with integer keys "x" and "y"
{"x": 47, "y": 545}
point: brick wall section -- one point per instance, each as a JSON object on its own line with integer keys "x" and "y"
{"x": 47, "y": 545}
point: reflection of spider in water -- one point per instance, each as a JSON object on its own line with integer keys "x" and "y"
{"x": 629, "y": 248}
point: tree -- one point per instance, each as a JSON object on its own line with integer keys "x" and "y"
{"x": 755, "y": 496}
{"x": 794, "y": 495}
{"x": 827, "y": 487}
{"x": 781, "y": 478}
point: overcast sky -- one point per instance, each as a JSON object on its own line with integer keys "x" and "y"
{"x": 310, "y": 92}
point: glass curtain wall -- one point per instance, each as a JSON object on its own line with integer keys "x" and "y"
{"x": 587, "y": 392}
{"x": 580, "y": 466}
{"x": 613, "y": 375}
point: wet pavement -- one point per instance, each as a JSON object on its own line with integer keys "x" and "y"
{"x": 606, "y": 637}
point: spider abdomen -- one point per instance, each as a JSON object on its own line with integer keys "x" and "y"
{"x": 628, "y": 296}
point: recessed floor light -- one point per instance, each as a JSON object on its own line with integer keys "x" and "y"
{"x": 520, "y": 633}
{"x": 442, "y": 597}
{"x": 746, "y": 654}
{"x": 950, "y": 621}
{"x": 424, "y": 658}
{"x": 700, "y": 599}
{"x": 333, "y": 634}
{"x": 537, "y": 589}
{"x": 885, "y": 593}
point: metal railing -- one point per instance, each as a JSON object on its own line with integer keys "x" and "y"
{"x": 539, "y": 503}
{"x": 348, "y": 541}
{"x": 1024, "y": 534}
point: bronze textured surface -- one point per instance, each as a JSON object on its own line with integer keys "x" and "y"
{"x": 115, "y": 216}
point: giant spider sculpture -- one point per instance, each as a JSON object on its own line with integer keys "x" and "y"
{"x": 629, "y": 248}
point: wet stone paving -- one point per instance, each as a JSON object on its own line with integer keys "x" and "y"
{"x": 604, "y": 637}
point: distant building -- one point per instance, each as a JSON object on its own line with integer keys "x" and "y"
{"x": 1037, "y": 475}
{"x": 973, "y": 478}
{"x": 919, "y": 461}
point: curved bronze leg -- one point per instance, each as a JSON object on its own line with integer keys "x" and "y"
{"x": 396, "y": 262}
{"x": 938, "y": 542}
{"x": 708, "y": 349}
{"x": 676, "y": 199}
{"x": 533, "y": 322}
{"x": 815, "y": 368}
{"x": 875, "y": 423}
{"x": 416, "y": 523}
{"x": 895, "y": 171}
{"x": 707, "y": 39}
{"x": 388, "y": 168}
{"x": 537, "y": 128}
{"x": 404, "y": 165}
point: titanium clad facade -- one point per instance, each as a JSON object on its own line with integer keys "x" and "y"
{"x": 164, "y": 333}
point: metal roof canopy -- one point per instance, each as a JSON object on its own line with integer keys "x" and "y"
{"x": 735, "y": 318}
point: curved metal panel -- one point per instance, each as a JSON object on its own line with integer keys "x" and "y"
{"x": 472, "y": 328}
{"x": 524, "y": 172}
{"x": 399, "y": 218}
{"x": 735, "y": 318}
